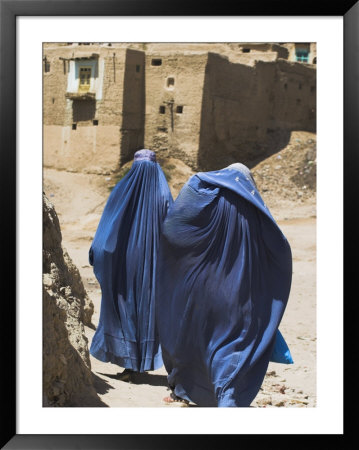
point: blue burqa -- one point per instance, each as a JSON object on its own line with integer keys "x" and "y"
{"x": 223, "y": 279}
{"x": 124, "y": 258}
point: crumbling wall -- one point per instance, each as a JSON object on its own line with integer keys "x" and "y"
{"x": 67, "y": 378}
{"x": 250, "y": 53}
{"x": 312, "y": 47}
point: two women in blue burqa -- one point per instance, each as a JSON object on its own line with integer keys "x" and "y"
{"x": 224, "y": 273}
{"x": 124, "y": 259}
{"x": 207, "y": 285}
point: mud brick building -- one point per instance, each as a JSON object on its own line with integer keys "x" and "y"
{"x": 207, "y": 104}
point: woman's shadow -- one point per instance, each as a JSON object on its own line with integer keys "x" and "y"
{"x": 141, "y": 378}
{"x": 144, "y": 378}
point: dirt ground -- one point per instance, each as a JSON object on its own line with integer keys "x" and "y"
{"x": 79, "y": 200}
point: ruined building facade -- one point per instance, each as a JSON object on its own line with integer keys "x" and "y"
{"x": 102, "y": 102}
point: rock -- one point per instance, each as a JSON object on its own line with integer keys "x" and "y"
{"x": 78, "y": 290}
{"x": 67, "y": 373}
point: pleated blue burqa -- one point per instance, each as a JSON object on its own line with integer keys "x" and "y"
{"x": 124, "y": 259}
{"x": 223, "y": 281}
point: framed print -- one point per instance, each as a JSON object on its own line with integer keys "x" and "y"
{"x": 83, "y": 87}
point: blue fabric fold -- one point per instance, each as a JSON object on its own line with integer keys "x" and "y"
{"x": 124, "y": 258}
{"x": 281, "y": 353}
{"x": 223, "y": 280}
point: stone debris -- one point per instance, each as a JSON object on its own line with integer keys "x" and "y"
{"x": 273, "y": 394}
{"x": 295, "y": 177}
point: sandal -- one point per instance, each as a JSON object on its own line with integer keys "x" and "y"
{"x": 173, "y": 398}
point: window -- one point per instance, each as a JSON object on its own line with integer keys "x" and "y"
{"x": 74, "y": 126}
{"x": 246, "y": 50}
{"x": 162, "y": 109}
{"x": 156, "y": 62}
{"x": 95, "y": 122}
{"x": 170, "y": 82}
{"x": 179, "y": 109}
{"x": 85, "y": 78}
{"x": 46, "y": 65}
{"x": 138, "y": 68}
{"x": 302, "y": 55}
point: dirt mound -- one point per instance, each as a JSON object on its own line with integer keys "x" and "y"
{"x": 176, "y": 171}
{"x": 289, "y": 174}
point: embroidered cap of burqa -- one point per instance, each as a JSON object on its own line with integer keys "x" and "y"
{"x": 225, "y": 271}
{"x": 124, "y": 258}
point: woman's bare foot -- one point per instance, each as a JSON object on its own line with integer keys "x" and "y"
{"x": 173, "y": 398}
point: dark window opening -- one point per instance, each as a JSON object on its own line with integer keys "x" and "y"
{"x": 179, "y": 109}
{"x": 156, "y": 62}
{"x": 163, "y": 129}
{"x": 53, "y": 100}
{"x": 315, "y": 60}
{"x": 170, "y": 82}
{"x": 83, "y": 110}
{"x": 74, "y": 126}
{"x": 47, "y": 65}
{"x": 162, "y": 109}
{"x": 138, "y": 68}
{"x": 302, "y": 55}
{"x": 246, "y": 50}
{"x": 95, "y": 122}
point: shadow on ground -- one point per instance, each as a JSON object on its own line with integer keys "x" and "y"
{"x": 141, "y": 378}
{"x": 101, "y": 386}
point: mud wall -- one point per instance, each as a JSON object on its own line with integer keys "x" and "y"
{"x": 249, "y": 112}
{"x": 83, "y": 133}
{"x": 204, "y": 108}
{"x": 174, "y": 84}
{"x": 312, "y": 47}
{"x": 133, "y": 105}
{"x": 294, "y": 88}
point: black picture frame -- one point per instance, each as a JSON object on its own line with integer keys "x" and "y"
{"x": 9, "y": 10}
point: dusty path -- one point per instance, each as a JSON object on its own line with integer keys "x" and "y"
{"x": 79, "y": 200}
